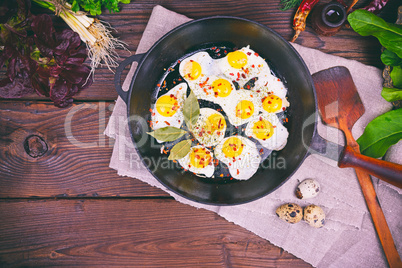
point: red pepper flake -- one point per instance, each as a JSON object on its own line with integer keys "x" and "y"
{"x": 150, "y": 110}
{"x": 261, "y": 150}
{"x": 178, "y": 61}
{"x": 249, "y": 53}
{"x": 158, "y": 85}
{"x": 286, "y": 119}
{"x": 167, "y": 123}
{"x": 232, "y": 74}
{"x": 283, "y": 108}
{"x": 221, "y": 175}
{"x": 256, "y": 54}
{"x": 238, "y": 172}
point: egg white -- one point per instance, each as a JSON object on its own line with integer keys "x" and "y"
{"x": 277, "y": 140}
{"x": 160, "y": 121}
{"x": 205, "y": 138}
{"x": 229, "y": 106}
{"x": 207, "y": 69}
{"x": 256, "y": 66}
{"x": 208, "y": 170}
{"x": 243, "y": 166}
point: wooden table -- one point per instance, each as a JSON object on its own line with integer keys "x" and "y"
{"x": 67, "y": 207}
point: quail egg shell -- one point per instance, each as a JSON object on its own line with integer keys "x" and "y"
{"x": 167, "y": 110}
{"x": 308, "y": 188}
{"x": 314, "y": 216}
{"x": 290, "y": 212}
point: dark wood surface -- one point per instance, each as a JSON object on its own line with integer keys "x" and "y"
{"x": 61, "y": 205}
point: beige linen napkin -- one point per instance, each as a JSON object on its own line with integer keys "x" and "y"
{"x": 348, "y": 239}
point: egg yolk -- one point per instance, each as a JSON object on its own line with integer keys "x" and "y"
{"x": 192, "y": 70}
{"x": 237, "y": 59}
{"x": 200, "y": 157}
{"x": 244, "y": 109}
{"x": 272, "y": 104}
{"x": 263, "y": 129}
{"x": 216, "y": 122}
{"x": 167, "y": 105}
{"x": 232, "y": 147}
{"x": 221, "y": 87}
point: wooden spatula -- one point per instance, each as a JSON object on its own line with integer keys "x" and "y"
{"x": 340, "y": 106}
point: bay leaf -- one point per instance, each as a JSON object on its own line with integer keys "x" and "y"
{"x": 180, "y": 150}
{"x": 381, "y": 133}
{"x": 366, "y": 23}
{"x": 391, "y": 94}
{"x": 191, "y": 110}
{"x": 167, "y": 133}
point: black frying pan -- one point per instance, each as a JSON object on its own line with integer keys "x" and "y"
{"x": 238, "y": 32}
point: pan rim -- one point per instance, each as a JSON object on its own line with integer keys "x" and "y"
{"x": 210, "y": 18}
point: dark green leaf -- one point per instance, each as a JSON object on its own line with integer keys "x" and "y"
{"x": 366, "y": 23}
{"x": 180, "y": 150}
{"x": 396, "y": 76}
{"x": 391, "y": 94}
{"x": 390, "y": 58}
{"x": 191, "y": 110}
{"x": 381, "y": 133}
{"x": 167, "y": 133}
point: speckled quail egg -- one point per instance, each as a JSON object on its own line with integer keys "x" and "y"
{"x": 314, "y": 216}
{"x": 308, "y": 188}
{"x": 290, "y": 212}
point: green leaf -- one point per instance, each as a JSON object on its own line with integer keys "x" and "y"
{"x": 390, "y": 58}
{"x": 381, "y": 133}
{"x": 180, "y": 150}
{"x": 167, "y": 133}
{"x": 366, "y": 23}
{"x": 191, "y": 110}
{"x": 396, "y": 76}
{"x": 391, "y": 94}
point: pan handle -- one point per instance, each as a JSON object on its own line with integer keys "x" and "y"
{"x": 386, "y": 171}
{"x": 117, "y": 77}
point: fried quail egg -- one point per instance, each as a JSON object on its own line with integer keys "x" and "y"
{"x": 242, "y": 65}
{"x": 241, "y": 107}
{"x": 268, "y": 130}
{"x": 196, "y": 69}
{"x": 199, "y": 160}
{"x": 216, "y": 89}
{"x": 273, "y": 104}
{"x": 240, "y": 155}
{"x": 210, "y": 127}
{"x": 167, "y": 110}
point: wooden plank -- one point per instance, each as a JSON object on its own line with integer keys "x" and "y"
{"x": 131, "y": 22}
{"x": 117, "y": 233}
{"x": 75, "y": 164}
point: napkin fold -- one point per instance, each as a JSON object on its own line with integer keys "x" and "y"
{"x": 348, "y": 238}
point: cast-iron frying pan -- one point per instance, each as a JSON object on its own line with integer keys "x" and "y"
{"x": 238, "y": 32}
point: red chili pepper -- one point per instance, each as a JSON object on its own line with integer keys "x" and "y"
{"x": 299, "y": 21}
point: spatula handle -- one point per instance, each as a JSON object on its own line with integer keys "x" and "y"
{"x": 386, "y": 171}
{"x": 380, "y": 223}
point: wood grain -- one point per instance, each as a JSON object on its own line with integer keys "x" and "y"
{"x": 131, "y": 22}
{"x": 76, "y": 163}
{"x": 135, "y": 233}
